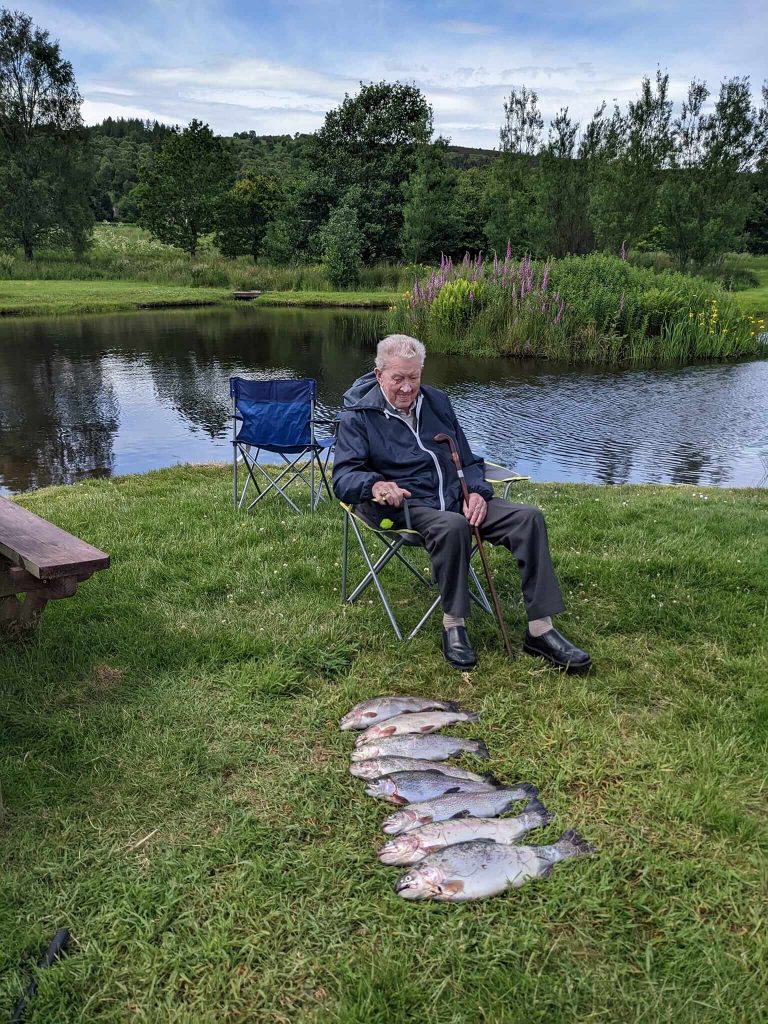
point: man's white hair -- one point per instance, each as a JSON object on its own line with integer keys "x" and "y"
{"x": 399, "y": 346}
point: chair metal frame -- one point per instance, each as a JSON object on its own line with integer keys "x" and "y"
{"x": 296, "y": 463}
{"x": 394, "y": 541}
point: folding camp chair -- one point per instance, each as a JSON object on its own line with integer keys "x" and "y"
{"x": 395, "y": 543}
{"x": 277, "y": 416}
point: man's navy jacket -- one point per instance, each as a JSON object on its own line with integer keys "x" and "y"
{"x": 373, "y": 443}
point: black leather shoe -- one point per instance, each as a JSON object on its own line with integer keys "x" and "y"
{"x": 457, "y": 649}
{"x": 555, "y": 648}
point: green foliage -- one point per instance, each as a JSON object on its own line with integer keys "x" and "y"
{"x": 595, "y": 308}
{"x": 369, "y": 143}
{"x": 45, "y": 170}
{"x": 244, "y": 214}
{"x": 180, "y": 189}
{"x": 706, "y": 198}
{"x": 431, "y": 218}
{"x": 633, "y": 148}
{"x": 458, "y": 302}
{"x": 341, "y": 244}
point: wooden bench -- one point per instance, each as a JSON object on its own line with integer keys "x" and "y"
{"x": 41, "y": 561}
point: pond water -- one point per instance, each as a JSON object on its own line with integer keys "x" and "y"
{"x": 99, "y": 396}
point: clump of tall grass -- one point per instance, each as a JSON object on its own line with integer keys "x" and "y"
{"x": 125, "y": 252}
{"x": 595, "y": 308}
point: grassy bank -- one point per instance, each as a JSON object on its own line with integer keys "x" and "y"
{"x": 66, "y": 298}
{"x": 190, "y": 694}
{"x": 62, "y": 298}
{"x": 755, "y": 300}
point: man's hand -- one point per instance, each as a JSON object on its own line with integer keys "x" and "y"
{"x": 388, "y": 491}
{"x": 475, "y": 509}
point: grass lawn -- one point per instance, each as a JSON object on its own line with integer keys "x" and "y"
{"x": 372, "y": 300}
{"x": 67, "y": 297}
{"x": 58, "y": 298}
{"x": 755, "y": 300}
{"x": 191, "y": 694}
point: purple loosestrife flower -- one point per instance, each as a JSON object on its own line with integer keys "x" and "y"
{"x": 545, "y": 279}
{"x": 509, "y": 249}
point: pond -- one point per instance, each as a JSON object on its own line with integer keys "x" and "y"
{"x": 105, "y": 395}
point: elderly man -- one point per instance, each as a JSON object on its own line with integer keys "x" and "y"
{"x": 385, "y": 452}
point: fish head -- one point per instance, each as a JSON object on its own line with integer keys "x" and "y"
{"x": 366, "y": 753}
{"x": 429, "y": 882}
{"x": 400, "y": 822}
{"x": 384, "y": 789}
{"x": 365, "y": 769}
{"x": 420, "y": 884}
{"x": 403, "y": 849}
{"x": 357, "y": 720}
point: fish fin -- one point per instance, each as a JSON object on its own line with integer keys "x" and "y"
{"x": 452, "y": 887}
{"x": 490, "y": 778}
{"x": 472, "y": 716}
{"x": 460, "y": 814}
{"x": 395, "y": 798}
{"x": 482, "y": 750}
{"x": 545, "y": 816}
{"x": 387, "y": 730}
{"x": 546, "y": 871}
{"x": 453, "y": 789}
{"x": 573, "y": 845}
{"x": 369, "y": 714}
{"x": 529, "y": 789}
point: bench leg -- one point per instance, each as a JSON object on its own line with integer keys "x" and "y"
{"x": 20, "y": 618}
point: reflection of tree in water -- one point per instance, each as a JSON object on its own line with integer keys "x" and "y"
{"x": 58, "y": 415}
{"x": 194, "y": 379}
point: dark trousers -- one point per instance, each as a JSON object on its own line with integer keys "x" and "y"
{"x": 520, "y": 528}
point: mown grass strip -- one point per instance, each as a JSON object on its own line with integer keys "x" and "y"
{"x": 191, "y": 693}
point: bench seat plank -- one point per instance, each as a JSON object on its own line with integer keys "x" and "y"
{"x": 44, "y": 550}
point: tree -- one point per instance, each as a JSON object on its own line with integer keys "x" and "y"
{"x": 635, "y": 149}
{"x": 707, "y": 196}
{"x": 244, "y": 214}
{"x": 45, "y": 171}
{"x": 511, "y": 200}
{"x": 369, "y": 144}
{"x": 563, "y": 196}
{"x": 431, "y": 221}
{"x": 179, "y": 189}
{"x": 341, "y": 243}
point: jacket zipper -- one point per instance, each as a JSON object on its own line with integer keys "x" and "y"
{"x": 418, "y": 442}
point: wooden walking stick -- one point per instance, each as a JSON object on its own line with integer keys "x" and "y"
{"x": 455, "y": 458}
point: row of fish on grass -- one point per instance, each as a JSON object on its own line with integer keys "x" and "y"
{"x": 449, "y": 828}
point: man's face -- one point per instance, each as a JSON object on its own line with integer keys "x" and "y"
{"x": 400, "y": 381}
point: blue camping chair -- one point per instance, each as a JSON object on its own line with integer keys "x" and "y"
{"x": 277, "y": 416}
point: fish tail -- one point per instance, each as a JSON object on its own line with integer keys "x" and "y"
{"x": 492, "y": 779}
{"x": 481, "y": 749}
{"x": 571, "y": 844}
{"x": 472, "y": 716}
{"x": 542, "y": 814}
{"x": 529, "y": 789}
{"x": 453, "y": 705}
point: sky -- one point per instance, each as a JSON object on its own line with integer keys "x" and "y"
{"x": 276, "y": 68}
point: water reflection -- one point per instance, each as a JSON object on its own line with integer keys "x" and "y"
{"x": 118, "y": 394}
